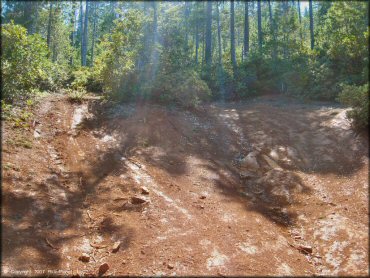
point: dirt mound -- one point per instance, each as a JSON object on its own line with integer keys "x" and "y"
{"x": 259, "y": 188}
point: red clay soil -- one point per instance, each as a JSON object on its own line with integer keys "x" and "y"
{"x": 267, "y": 187}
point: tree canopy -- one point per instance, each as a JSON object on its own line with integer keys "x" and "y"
{"x": 185, "y": 52}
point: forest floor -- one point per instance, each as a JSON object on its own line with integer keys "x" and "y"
{"x": 271, "y": 186}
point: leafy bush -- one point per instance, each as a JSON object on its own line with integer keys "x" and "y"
{"x": 358, "y": 98}
{"x": 24, "y": 62}
{"x": 80, "y": 78}
{"x": 76, "y": 95}
{"x": 184, "y": 88}
{"x": 117, "y": 62}
{"x": 86, "y": 78}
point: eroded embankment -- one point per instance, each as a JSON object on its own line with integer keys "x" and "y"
{"x": 270, "y": 187}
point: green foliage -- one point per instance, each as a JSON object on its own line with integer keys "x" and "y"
{"x": 16, "y": 116}
{"x": 80, "y": 78}
{"x": 19, "y": 140}
{"x": 6, "y": 110}
{"x": 24, "y": 62}
{"x": 183, "y": 88}
{"x": 118, "y": 60}
{"x": 145, "y": 50}
{"x": 76, "y": 95}
{"x": 358, "y": 98}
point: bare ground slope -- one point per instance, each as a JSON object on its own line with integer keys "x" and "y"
{"x": 269, "y": 187}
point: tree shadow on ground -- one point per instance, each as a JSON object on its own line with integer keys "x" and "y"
{"x": 45, "y": 214}
{"x": 219, "y": 133}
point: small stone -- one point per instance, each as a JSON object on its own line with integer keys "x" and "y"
{"x": 304, "y": 248}
{"x": 36, "y": 133}
{"x": 246, "y": 175}
{"x": 271, "y": 162}
{"x": 116, "y": 246}
{"x": 144, "y": 190}
{"x": 138, "y": 200}
{"x": 142, "y": 252}
{"x": 201, "y": 206}
{"x": 274, "y": 155}
{"x": 297, "y": 237}
{"x": 250, "y": 162}
{"x": 103, "y": 268}
{"x": 203, "y": 196}
{"x": 170, "y": 266}
{"x": 84, "y": 258}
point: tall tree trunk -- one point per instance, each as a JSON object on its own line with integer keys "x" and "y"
{"x": 53, "y": 25}
{"x": 203, "y": 37}
{"x": 246, "y": 30}
{"x": 48, "y": 37}
{"x": 284, "y": 6}
{"x": 219, "y": 37}
{"x": 259, "y": 25}
{"x": 300, "y": 21}
{"x": 84, "y": 38}
{"x": 187, "y": 14}
{"x": 93, "y": 34}
{"x": 232, "y": 35}
{"x": 273, "y": 30}
{"x": 31, "y": 11}
{"x": 197, "y": 41}
{"x": 81, "y": 27}
{"x": 299, "y": 12}
{"x": 72, "y": 36}
{"x": 154, "y": 56}
{"x": 208, "y": 53}
{"x": 155, "y": 22}
{"x": 311, "y": 25}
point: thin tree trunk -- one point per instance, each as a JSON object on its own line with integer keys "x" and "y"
{"x": 219, "y": 37}
{"x": 232, "y": 36}
{"x": 300, "y": 21}
{"x": 72, "y": 36}
{"x": 93, "y": 35}
{"x": 155, "y": 22}
{"x": 154, "y": 58}
{"x": 81, "y": 27}
{"x": 54, "y": 45}
{"x": 208, "y": 50}
{"x": 84, "y": 39}
{"x": 203, "y": 39}
{"x": 311, "y": 25}
{"x": 246, "y": 30}
{"x": 187, "y": 14}
{"x": 274, "y": 51}
{"x": 259, "y": 25}
{"x": 48, "y": 38}
{"x": 285, "y": 32}
{"x": 196, "y": 41}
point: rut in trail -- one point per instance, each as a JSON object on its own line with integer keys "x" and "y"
{"x": 269, "y": 187}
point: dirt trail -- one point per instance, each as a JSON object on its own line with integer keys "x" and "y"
{"x": 234, "y": 189}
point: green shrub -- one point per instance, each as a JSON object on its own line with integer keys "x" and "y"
{"x": 86, "y": 78}
{"x": 183, "y": 87}
{"x": 76, "y": 95}
{"x": 80, "y": 77}
{"x": 24, "y": 62}
{"x": 358, "y": 98}
{"x": 117, "y": 61}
